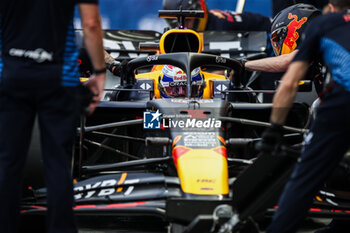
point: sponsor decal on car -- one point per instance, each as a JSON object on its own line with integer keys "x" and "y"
{"x": 220, "y": 60}
{"x": 100, "y": 188}
{"x": 105, "y": 188}
{"x": 152, "y": 58}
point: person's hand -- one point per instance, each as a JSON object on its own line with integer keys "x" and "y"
{"x": 271, "y": 139}
{"x": 96, "y": 85}
{"x": 242, "y": 62}
{"x": 118, "y": 67}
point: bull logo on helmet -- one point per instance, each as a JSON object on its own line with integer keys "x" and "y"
{"x": 293, "y": 35}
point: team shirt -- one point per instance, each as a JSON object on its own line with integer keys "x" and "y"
{"x": 328, "y": 37}
{"x": 224, "y": 20}
{"x": 246, "y": 21}
{"x": 39, "y": 34}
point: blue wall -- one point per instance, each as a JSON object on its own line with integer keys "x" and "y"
{"x": 142, "y": 14}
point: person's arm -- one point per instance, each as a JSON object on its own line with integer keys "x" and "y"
{"x": 91, "y": 23}
{"x": 286, "y": 91}
{"x": 283, "y": 99}
{"x": 111, "y": 63}
{"x": 271, "y": 64}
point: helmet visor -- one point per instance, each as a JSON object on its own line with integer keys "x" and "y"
{"x": 277, "y": 38}
{"x": 175, "y": 91}
{"x": 181, "y": 90}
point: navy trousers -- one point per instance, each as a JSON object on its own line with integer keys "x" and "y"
{"x": 21, "y": 100}
{"x": 325, "y": 146}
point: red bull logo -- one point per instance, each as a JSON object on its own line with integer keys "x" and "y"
{"x": 293, "y": 35}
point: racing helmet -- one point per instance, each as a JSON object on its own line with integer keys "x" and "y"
{"x": 199, "y": 24}
{"x": 173, "y": 82}
{"x": 288, "y": 26}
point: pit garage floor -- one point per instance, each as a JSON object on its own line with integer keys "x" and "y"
{"x": 97, "y": 224}
{"x": 310, "y": 226}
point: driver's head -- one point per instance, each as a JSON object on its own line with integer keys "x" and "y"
{"x": 288, "y": 26}
{"x": 173, "y": 82}
{"x": 195, "y": 24}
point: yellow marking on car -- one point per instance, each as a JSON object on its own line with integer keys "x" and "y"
{"x": 122, "y": 178}
{"x": 170, "y": 37}
{"x": 222, "y": 140}
{"x": 176, "y": 140}
{"x": 203, "y": 172}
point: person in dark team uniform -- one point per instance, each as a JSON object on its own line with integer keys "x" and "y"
{"x": 218, "y": 19}
{"x": 39, "y": 78}
{"x": 278, "y": 5}
{"x": 286, "y": 36}
{"x": 327, "y": 37}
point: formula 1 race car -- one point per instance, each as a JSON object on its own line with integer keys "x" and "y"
{"x": 185, "y": 164}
